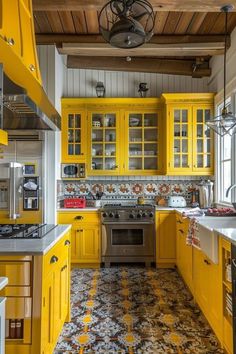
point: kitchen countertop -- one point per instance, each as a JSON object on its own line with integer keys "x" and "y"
{"x": 3, "y": 282}
{"x": 34, "y": 247}
{"x": 228, "y": 234}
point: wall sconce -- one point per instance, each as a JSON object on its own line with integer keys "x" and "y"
{"x": 100, "y": 89}
{"x": 142, "y": 89}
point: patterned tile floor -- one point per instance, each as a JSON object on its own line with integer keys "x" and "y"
{"x": 135, "y": 311}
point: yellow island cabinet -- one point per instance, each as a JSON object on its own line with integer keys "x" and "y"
{"x": 38, "y": 293}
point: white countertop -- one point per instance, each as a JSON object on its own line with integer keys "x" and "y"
{"x": 3, "y": 282}
{"x": 33, "y": 247}
{"x": 228, "y": 234}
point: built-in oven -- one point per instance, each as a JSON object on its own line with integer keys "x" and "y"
{"x": 131, "y": 240}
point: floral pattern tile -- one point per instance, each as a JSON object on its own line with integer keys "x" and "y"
{"x": 132, "y": 310}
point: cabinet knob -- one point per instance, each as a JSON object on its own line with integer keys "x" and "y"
{"x": 67, "y": 243}
{"x": 32, "y": 67}
{"x": 79, "y": 217}
{"x": 116, "y": 166}
{"x": 207, "y": 262}
{"x": 179, "y": 222}
{"x": 180, "y": 230}
{"x": 82, "y": 153}
{"x": 54, "y": 259}
{"x": 10, "y": 41}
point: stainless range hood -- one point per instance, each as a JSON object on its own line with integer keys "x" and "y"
{"x": 21, "y": 112}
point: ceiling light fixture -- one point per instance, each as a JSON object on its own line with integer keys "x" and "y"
{"x": 226, "y": 121}
{"x": 126, "y": 23}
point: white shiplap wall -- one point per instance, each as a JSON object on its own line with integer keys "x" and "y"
{"x": 81, "y": 83}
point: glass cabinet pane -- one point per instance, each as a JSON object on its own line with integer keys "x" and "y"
{"x": 150, "y": 120}
{"x": 71, "y": 121}
{"x": 135, "y": 120}
{"x": 177, "y": 115}
{"x": 150, "y": 135}
{"x": 135, "y": 163}
{"x": 203, "y": 138}
{"x": 77, "y": 121}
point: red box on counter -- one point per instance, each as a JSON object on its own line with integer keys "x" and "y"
{"x": 74, "y": 203}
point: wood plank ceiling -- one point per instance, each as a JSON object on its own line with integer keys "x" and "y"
{"x": 190, "y": 36}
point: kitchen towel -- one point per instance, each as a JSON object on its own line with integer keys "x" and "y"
{"x": 192, "y": 234}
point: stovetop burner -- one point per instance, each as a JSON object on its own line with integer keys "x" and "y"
{"x": 24, "y": 231}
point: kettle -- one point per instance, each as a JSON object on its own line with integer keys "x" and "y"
{"x": 205, "y": 194}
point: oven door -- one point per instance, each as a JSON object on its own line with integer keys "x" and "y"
{"x": 128, "y": 240}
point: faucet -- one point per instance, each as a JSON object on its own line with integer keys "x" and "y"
{"x": 227, "y": 194}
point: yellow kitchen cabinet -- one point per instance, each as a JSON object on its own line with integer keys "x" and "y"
{"x": 124, "y": 136}
{"x": 184, "y": 259}
{"x": 143, "y": 148}
{"x": 208, "y": 289}
{"x": 17, "y": 31}
{"x": 189, "y": 142}
{"x": 3, "y": 137}
{"x": 38, "y": 294}
{"x": 85, "y": 239}
{"x": 165, "y": 239}
{"x": 104, "y": 142}
{"x": 86, "y": 244}
{"x": 10, "y": 25}
{"x": 225, "y": 252}
{"x": 73, "y": 135}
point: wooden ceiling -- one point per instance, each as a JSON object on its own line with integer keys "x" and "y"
{"x": 182, "y": 35}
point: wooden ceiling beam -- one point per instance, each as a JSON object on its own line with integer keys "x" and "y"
{"x": 161, "y": 66}
{"x": 156, "y": 39}
{"x": 158, "y": 5}
{"x": 147, "y": 50}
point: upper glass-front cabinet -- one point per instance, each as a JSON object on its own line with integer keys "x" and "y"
{"x": 73, "y": 136}
{"x": 103, "y": 143}
{"x": 142, "y": 152}
{"x": 203, "y": 139}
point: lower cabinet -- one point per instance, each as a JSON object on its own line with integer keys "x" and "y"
{"x": 85, "y": 237}
{"x": 165, "y": 239}
{"x": 86, "y": 244}
{"x": 208, "y": 289}
{"x": 55, "y": 294}
{"x": 184, "y": 258}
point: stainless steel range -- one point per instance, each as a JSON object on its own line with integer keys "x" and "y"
{"x": 128, "y": 233}
{"x": 24, "y": 231}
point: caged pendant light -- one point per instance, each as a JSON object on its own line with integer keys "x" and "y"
{"x": 225, "y": 123}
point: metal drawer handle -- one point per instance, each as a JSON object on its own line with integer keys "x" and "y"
{"x": 54, "y": 259}
{"x": 63, "y": 268}
{"x": 207, "y": 262}
{"x": 179, "y": 222}
{"x": 80, "y": 230}
{"x": 67, "y": 242}
{"x": 182, "y": 232}
{"x": 32, "y": 67}
{"x": 10, "y": 41}
{"x": 79, "y": 217}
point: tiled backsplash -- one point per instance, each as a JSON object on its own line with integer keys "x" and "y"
{"x": 130, "y": 187}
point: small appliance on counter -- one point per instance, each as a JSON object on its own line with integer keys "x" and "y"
{"x": 74, "y": 202}
{"x": 176, "y": 201}
{"x": 73, "y": 171}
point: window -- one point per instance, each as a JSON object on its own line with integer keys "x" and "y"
{"x": 224, "y": 170}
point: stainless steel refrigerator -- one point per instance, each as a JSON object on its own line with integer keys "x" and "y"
{"x": 21, "y": 180}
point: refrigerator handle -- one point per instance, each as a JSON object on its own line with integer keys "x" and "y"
{"x": 12, "y": 202}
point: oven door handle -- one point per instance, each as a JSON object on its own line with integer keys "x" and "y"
{"x": 104, "y": 240}
{"x": 128, "y": 223}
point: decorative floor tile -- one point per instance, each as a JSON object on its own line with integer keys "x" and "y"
{"x": 128, "y": 310}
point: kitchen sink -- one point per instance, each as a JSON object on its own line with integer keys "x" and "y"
{"x": 209, "y": 240}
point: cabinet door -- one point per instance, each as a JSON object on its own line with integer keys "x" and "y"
{"x": 47, "y": 318}
{"x": 28, "y": 48}
{"x": 165, "y": 233}
{"x": 203, "y": 140}
{"x": 142, "y": 142}
{"x": 86, "y": 244}
{"x": 201, "y": 281}
{"x": 73, "y": 136}
{"x": 180, "y": 139}
{"x": 10, "y": 24}
{"x": 104, "y": 148}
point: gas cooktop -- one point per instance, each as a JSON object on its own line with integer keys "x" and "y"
{"x": 24, "y": 231}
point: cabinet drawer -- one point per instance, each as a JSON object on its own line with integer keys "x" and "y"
{"x": 78, "y": 217}
{"x": 18, "y": 307}
{"x": 18, "y": 273}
